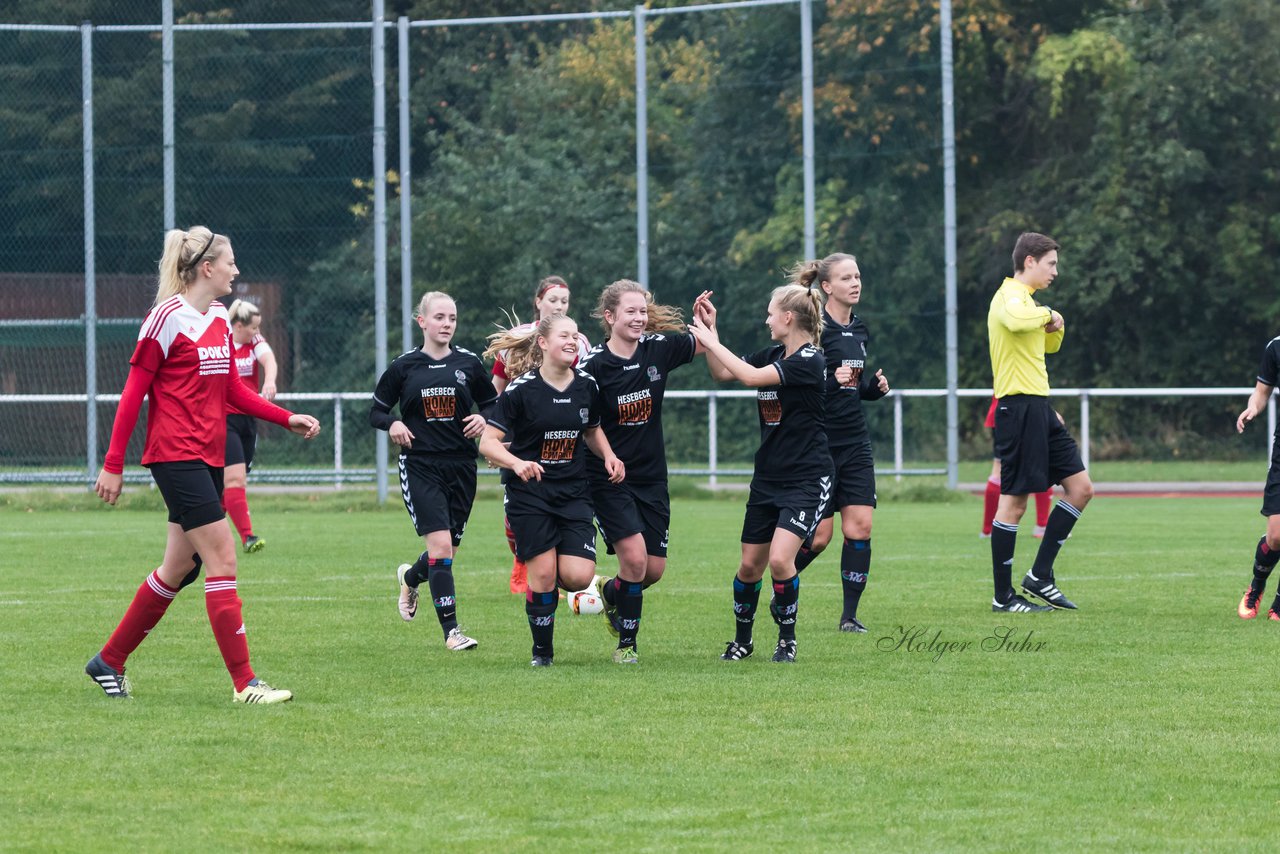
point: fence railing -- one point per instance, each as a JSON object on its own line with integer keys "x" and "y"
{"x": 341, "y": 474}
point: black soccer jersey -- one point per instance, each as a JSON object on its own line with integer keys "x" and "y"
{"x": 793, "y": 437}
{"x": 545, "y": 424}
{"x": 846, "y": 346}
{"x": 434, "y": 396}
{"x": 631, "y": 393}
{"x": 1268, "y": 371}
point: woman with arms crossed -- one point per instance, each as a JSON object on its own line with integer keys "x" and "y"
{"x": 248, "y": 350}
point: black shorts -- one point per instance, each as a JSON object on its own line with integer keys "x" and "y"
{"x": 1034, "y": 449}
{"x": 242, "y": 440}
{"x": 546, "y": 516}
{"x": 855, "y": 478}
{"x": 192, "y": 490}
{"x": 1271, "y": 493}
{"x": 438, "y": 493}
{"x": 793, "y": 506}
{"x": 624, "y": 509}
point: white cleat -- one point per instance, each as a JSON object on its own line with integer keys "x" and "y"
{"x": 261, "y": 693}
{"x": 457, "y": 641}
{"x": 408, "y": 595}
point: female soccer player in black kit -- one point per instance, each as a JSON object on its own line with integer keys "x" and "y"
{"x": 844, "y": 343}
{"x": 644, "y": 343}
{"x": 1267, "y": 553}
{"x": 543, "y": 413}
{"x": 436, "y": 387}
{"x": 792, "y": 481}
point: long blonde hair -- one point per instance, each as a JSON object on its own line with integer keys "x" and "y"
{"x": 183, "y": 251}
{"x": 805, "y": 304}
{"x": 522, "y": 353}
{"x": 662, "y": 318}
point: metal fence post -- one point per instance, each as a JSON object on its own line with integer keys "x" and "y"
{"x": 713, "y": 462}
{"x": 380, "y": 223}
{"x": 897, "y": 434}
{"x": 337, "y": 440}
{"x": 90, "y": 278}
{"x": 166, "y": 77}
{"x": 642, "y": 151}
{"x": 806, "y": 101}
{"x": 1084, "y": 427}
{"x": 949, "y": 244}
{"x": 406, "y": 235}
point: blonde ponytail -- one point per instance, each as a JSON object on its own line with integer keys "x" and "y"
{"x": 183, "y": 251}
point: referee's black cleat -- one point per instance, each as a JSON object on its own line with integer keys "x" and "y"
{"x": 852, "y": 624}
{"x": 1017, "y": 605}
{"x": 541, "y": 661}
{"x": 1047, "y": 592}
{"x": 785, "y": 653}
{"x": 734, "y": 651}
{"x": 113, "y": 684}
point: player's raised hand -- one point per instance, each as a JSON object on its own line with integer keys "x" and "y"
{"x": 305, "y": 426}
{"x": 109, "y": 486}
{"x": 882, "y": 382}
{"x": 704, "y": 311}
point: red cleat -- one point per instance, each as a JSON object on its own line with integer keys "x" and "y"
{"x": 1249, "y": 605}
{"x": 1272, "y": 615}
{"x": 520, "y": 578}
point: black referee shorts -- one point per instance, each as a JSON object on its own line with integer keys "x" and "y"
{"x": 1034, "y": 449}
{"x": 548, "y": 516}
{"x": 855, "y": 478}
{"x": 795, "y": 506}
{"x": 438, "y": 493}
{"x": 242, "y": 440}
{"x": 624, "y": 509}
{"x": 192, "y": 490}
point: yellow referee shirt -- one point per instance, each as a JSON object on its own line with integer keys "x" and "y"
{"x": 1015, "y": 328}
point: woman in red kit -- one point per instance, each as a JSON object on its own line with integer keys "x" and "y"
{"x": 183, "y": 365}
{"x": 253, "y": 356}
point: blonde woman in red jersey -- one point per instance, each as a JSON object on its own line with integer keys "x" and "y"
{"x": 250, "y": 352}
{"x": 551, "y": 297}
{"x": 183, "y": 365}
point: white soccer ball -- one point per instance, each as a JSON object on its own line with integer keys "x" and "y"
{"x": 586, "y": 602}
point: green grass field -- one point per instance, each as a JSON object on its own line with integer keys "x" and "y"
{"x": 1141, "y": 722}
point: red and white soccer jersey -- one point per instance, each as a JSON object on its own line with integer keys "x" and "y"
{"x": 500, "y": 361}
{"x": 187, "y": 355}
{"x": 247, "y": 357}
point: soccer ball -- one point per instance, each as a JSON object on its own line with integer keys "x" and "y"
{"x": 586, "y": 602}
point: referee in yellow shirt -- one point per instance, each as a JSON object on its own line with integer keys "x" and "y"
{"x": 1034, "y": 449}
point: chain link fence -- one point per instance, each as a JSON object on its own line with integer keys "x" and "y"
{"x": 520, "y": 135}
